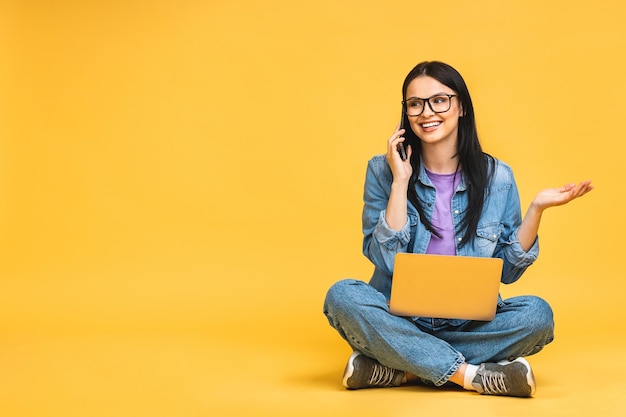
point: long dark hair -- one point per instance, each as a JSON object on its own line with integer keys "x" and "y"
{"x": 476, "y": 165}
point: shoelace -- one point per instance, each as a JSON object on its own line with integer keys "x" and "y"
{"x": 493, "y": 382}
{"x": 381, "y": 375}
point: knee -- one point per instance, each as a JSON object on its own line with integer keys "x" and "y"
{"x": 539, "y": 317}
{"x": 341, "y": 294}
{"x": 337, "y": 302}
{"x": 348, "y": 295}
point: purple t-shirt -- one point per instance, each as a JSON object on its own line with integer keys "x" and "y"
{"x": 445, "y": 185}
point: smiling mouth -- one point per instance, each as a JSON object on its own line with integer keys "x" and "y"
{"x": 429, "y": 124}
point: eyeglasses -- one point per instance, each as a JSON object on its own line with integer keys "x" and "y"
{"x": 438, "y": 104}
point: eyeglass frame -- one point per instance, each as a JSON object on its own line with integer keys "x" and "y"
{"x": 427, "y": 100}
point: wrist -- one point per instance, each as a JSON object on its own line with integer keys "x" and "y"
{"x": 536, "y": 209}
{"x": 400, "y": 184}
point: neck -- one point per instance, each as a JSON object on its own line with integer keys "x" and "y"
{"x": 440, "y": 161}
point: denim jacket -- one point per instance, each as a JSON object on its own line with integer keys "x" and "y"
{"x": 496, "y": 235}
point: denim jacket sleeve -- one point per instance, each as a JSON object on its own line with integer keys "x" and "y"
{"x": 380, "y": 243}
{"x": 516, "y": 259}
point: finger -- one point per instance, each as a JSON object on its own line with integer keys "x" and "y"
{"x": 396, "y": 138}
{"x": 576, "y": 190}
{"x": 398, "y": 130}
{"x": 584, "y": 190}
{"x": 587, "y": 185}
{"x": 584, "y": 185}
{"x": 581, "y": 189}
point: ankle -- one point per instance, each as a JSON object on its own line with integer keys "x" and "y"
{"x": 470, "y": 374}
{"x": 459, "y": 376}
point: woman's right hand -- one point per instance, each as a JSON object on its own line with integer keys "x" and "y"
{"x": 396, "y": 212}
{"x": 400, "y": 169}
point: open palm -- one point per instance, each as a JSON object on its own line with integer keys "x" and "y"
{"x": 551, "y": 197}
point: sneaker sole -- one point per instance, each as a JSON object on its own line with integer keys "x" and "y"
{"x": 347, "y": 373}
{"x": 530, "y": 377}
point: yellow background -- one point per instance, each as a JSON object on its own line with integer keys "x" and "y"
{"x": 181, "y": 181}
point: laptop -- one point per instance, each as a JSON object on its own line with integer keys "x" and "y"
{"x": 443, "y": 286}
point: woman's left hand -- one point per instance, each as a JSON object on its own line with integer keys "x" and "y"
{"x": 551, "y": 197}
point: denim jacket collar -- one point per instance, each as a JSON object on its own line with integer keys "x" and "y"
{"x": 423, "y": 178}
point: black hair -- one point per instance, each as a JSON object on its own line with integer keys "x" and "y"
{"x": 475, "y": 164}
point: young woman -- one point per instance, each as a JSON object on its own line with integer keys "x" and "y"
{"x": 446, "y": 197}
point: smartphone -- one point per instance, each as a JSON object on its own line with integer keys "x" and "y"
{"x": 401, "y": 151}
{"x": 400, "y": 147}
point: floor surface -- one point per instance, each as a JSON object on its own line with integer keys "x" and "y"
{"x": 262, "y": 371}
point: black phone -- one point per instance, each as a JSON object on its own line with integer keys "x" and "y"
{"x": 400, "y": 147}
{"x": 401, "y": 151}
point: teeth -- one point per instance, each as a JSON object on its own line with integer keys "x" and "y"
{"x": 431, "y": 124}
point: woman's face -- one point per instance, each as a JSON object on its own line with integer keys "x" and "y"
{"x": 429, "y": 126}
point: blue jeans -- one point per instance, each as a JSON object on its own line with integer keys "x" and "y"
{"x": 433, "y": 349}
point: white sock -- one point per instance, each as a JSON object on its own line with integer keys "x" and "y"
{"x": 470, "y": 373}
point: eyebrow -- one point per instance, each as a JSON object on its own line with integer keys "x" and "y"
{"x": 434, "y": 95}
